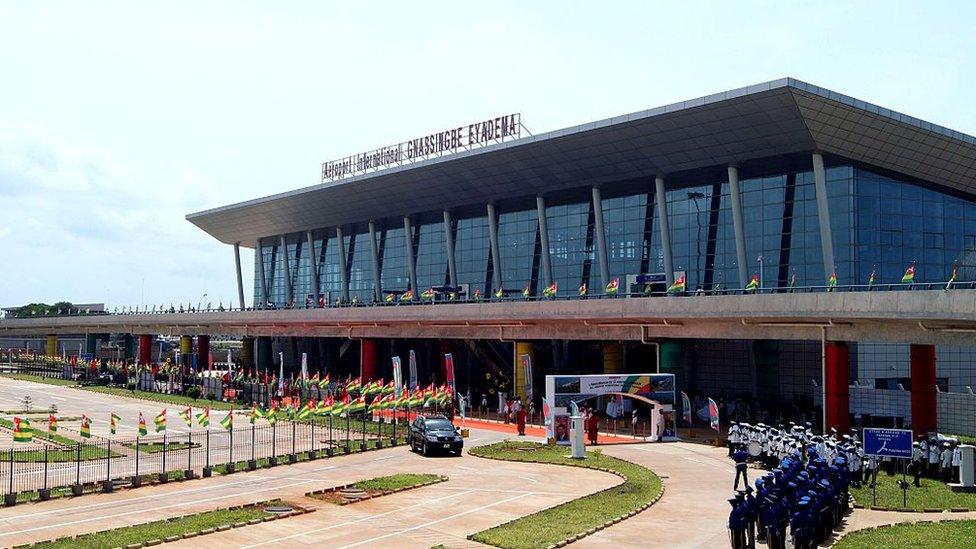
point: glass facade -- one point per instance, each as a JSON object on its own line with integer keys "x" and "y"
{"x": 878, "y": 222}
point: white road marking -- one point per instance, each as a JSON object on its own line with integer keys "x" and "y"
{"x": 532, "y": 480}
{"x": 347, "y": 523}
{"x": 438, "y": 521}
{"x": 384, "y": 458}
{"x": 462, "y": 467}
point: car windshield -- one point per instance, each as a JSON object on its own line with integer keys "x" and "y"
{"x": 439, "y": 425}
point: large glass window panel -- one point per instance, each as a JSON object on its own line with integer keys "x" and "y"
{"x": 471, "y": 245}
{"x": 571, "y": 245}
{"x": 517, "y": 234}
{"x": 431, "y": 256}
{"x": 394, "y": 271}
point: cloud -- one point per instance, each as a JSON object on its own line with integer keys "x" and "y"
{"x": 81, "y": 225}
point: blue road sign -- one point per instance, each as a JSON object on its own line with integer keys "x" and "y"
{"x": 896, "y": 443}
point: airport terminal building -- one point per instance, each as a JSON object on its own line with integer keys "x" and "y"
{"x": 789, "y": 212}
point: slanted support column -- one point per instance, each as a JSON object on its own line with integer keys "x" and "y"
{"x": 289, "y": 291}
{"x": 739, "y": 225}
{"x": 240, "y": 279}
{"x": 924, "y": 396}
{"x": 262, "y": 279}
{"x": 601, "y": 238}
{"x": 837, "y": 395}
{"x": 408, "y": 249}
{"x": 313, "y": 268}
{"x": 368, "y": 359}
{"x": 145, "y": 349}
{"x": 662, "y": 213}
{"x": 203, "y": 353}
{"x": 823, "y": 214}
{"x": 496, "y": 260}
{"x": 449, "y": 243}
{"x": 540, "y": 204}
{"x": 375, "y": 253}
{"x": 343, "y": 270}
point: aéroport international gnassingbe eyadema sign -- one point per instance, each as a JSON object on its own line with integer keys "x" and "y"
{"x": 452, "y": 140}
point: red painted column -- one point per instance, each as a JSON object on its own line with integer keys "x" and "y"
{"x": 924, "y": 395}
{"x": 203, "y": 353}
{"x": 837, "y": 371}
{"x": 368, "y": 359}
{"x": 145, "y": 349}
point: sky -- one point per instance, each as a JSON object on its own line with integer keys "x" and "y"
{"x": 119, "y": 118}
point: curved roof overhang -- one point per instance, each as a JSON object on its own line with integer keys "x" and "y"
{"x": 779, "y": 118}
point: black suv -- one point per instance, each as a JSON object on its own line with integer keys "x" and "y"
{"x": 430, "y": 434}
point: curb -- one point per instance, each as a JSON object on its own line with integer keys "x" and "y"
{"x": 297, "y": 510}
{"x": 335, "y": 489}
{"x": 591, "y": 531}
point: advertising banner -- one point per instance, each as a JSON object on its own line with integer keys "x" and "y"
{"x": 397, "y": 376}
{"x": 527, "y": 372}
{"x": 713, "y": 415}
{"x": 686, "y": 408}
{"x": 413, "y": 370}
{"x": 449, "y": 372}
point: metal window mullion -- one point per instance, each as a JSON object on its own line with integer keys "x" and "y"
{"x": 540, "y": 204}
{"x": 375, "y": 258}
{"x": 662, "y": 208}
{"x": 601, "y": 237}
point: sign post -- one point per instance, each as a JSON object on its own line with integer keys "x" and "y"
{"x": 889, "y": 443}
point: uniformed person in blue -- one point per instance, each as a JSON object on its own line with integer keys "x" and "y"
{"x": 737, "y": 524}
{"x": 741, "y": 458}
{"x": 801, "y": 525}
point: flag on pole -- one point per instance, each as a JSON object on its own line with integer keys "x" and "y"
{"x": 686, "y": 408}
{"x": 23, "y": 432}
{"x": 85, "y": 426}
{"x": 713, "y": 415}
{"x": 793, "y": 280}
{"x": 142, "y": 425}
{"x": 272, "y": 415}
{"x": 952, "y": 277}
{"x": 255, "y": 414}
{"x": 160, "y": 421}
{"x": 546, "y": 413}
{"x": 499, "y": 293}
{"x": 550, "y": 290}
{"x": 228, "y": 421}
{"x": 909, "y": 276}
{"x": 678, "y": 286}
{"x": 52, "y": 423}
{"x": 407, "y": 295}
{"x": 304, "y": 367}
{"x": 873, "y": 276}
{"x": 753, "y": 283}
{"x": 582, "y": 290}
{"x": 187, "y": 416}
{"x": 832, "y": 280}
{"x": 525, "y": 291}
{"x": 203, "y": 418}
{"x": 113, "y": 422}
{"x": 613, "y": 286}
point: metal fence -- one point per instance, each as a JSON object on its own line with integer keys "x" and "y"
{"x": 45, "y": 469}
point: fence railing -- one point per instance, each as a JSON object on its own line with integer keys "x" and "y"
{"x": 44, "y": 469}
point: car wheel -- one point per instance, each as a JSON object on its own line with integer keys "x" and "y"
{"x": 424, "y": 450}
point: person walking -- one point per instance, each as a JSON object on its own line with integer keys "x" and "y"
{"x": 519, "y": 416}
{"x": 593, "y": 425}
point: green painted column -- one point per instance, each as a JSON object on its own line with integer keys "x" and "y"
{"x": 91, "y": 340}
{"x": 264, "y": 354}
{"x": 129, "y": 347}
{"x": 670, "y": 356}
{"x": 766, "y": 355}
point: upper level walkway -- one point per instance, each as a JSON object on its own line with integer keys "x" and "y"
{"x": 932, "y": 316}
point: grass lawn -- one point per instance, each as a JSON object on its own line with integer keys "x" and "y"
{"x": 395, "y": 482}
{"x": 932, "y": 495}
{"x": 953, "y": 533}
{"x": 156, "y": 447}
{"x": 119, "y": 391}
{"x": 552, "y": 525}
{"x": 160, "y": 530}
{"x": 241, "y": 465}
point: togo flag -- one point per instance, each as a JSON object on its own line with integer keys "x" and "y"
{"x": 142, "y": 425}
{"x": 85, "y": 426}
{"x": 160, "y": 421}
{"x": 187, "y": 416}
{"x": 713, "y": 415}
{"x": 23, "y": 432}
{"x": 203, "y": 418}
{"x": 52, "y": 423}
{"x": 113, "y": 422}
{"x": 228, "y": 421}
{"x": 686, "y": 408}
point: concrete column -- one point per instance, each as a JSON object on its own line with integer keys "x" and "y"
{"x": 739, "y": 225}
{"x": 601, "y": 239}
{"x": 837, "y": 395}
{"x": 313, "y": 265}
{"x": 374, "y": 250}
{"x": 369, "y": 359}
{"x": 186, "y": 349}
{"x": 262, "y": 280}
{"x": 240, "y": 278}
{"x": 540, "y": 204}
{"x": 51, "y": 348}
{"x": 496, "y": 260}
{"x": 203, "y": 352}
{"x": 411, "y": 260}
{"x": 924, "y": 396}
{"x": 670, "y": 355}
{"x": 289, "y": 291}
{"x": 91, "y": 344}
{"x": 247, "y": 352}
{"x": 264, "y": 359}
{"x": 145, "y": 349}
{"x": 662, "y": 214}
{"x": 344, "y": 271}
{"x": 823, "y": 214}
{"x": 128, "y": 346}
{"x": 613, "y": 357}
{"x": 449, "y": 243}
{"x": 522, "y": 348}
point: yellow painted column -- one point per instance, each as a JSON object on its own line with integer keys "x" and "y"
{"x": 522, "y": 348}
{"x": 186, "y": 345}
{"x": 52, "y": 345}
{"x": 613, "y": 357}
